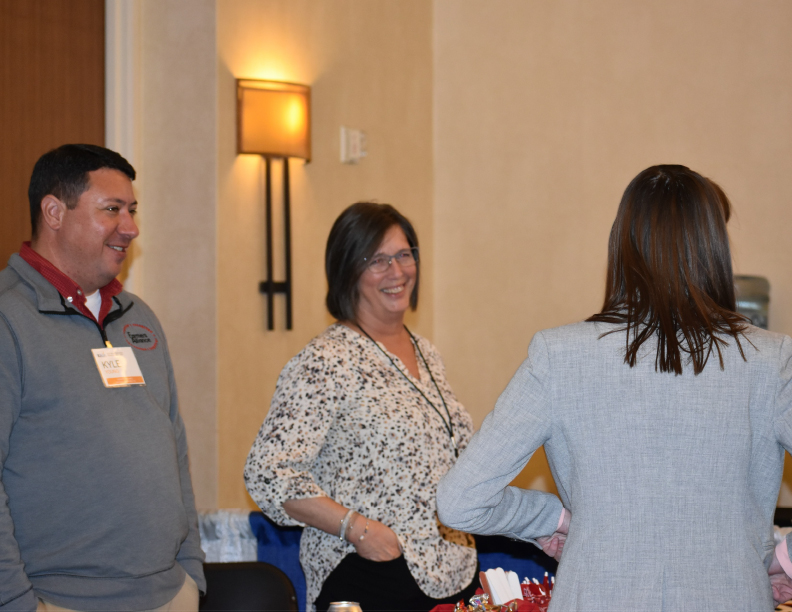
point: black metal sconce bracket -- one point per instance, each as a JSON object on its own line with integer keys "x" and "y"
{"x": 270, "y": 287}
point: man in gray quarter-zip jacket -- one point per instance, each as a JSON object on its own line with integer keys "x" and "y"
{"x": 96, "y": 505}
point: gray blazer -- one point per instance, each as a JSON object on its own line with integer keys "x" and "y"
{"x": 672, "y": 480}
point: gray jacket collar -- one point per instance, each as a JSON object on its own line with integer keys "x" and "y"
{"x": 47, "y": 297}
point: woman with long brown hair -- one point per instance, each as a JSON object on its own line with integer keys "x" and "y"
{"x": 664, "y": 417}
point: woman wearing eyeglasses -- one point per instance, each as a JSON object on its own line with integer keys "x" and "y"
{"x": 362, "y": 426}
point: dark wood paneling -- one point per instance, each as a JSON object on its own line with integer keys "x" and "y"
{"x": 51, "y": 93}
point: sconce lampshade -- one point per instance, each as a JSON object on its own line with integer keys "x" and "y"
{"x": 273, "y": 118}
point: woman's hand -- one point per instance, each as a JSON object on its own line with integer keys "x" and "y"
{"x": 780, "y": 582}
{"x": 553, "y": 545}
{"x": 379, "y": 543}
{"x": 782, "y": 588}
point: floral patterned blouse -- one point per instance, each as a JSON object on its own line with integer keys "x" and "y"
{"x": 347, "y": 424}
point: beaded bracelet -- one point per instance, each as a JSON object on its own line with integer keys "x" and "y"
{"x": 345, "y": 524}
{"x": 365, "y": 531}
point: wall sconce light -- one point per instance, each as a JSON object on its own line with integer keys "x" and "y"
{"x": 273, "y": 120}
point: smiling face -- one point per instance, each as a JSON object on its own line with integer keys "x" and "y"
{"x": 93, "y": 237}
{"x": 385, "y": 297}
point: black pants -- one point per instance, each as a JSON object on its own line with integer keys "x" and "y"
{"x": 376, "y": 586}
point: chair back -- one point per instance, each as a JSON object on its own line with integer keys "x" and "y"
{"x": 250, "y": 586}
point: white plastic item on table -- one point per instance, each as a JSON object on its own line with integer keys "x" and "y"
{"x": 226, "y": 536}
{"x": 514, "y": 585}
{"x": 500, "y": 588}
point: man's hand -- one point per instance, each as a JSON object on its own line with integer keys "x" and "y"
{"x": 553, "y": 545}
{"x": 379, "y": 543}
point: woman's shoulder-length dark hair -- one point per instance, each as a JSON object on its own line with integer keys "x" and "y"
{"x": 354, "y": 237}
{"x": 670, "y": 271}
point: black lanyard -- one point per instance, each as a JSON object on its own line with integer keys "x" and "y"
{"x": 448, "y": 424}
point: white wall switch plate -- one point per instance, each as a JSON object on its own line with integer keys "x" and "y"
{"x": 353, "y": 145}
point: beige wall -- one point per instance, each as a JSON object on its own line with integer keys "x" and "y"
{"x": 369, "y": 66}
{"x": 175, "y": 256}
{"x": 543, "y": 113}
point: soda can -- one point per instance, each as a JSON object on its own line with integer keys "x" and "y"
{"x": 344, "y": 606}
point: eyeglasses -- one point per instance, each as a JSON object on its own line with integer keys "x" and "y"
{"x": 406, "y": 258}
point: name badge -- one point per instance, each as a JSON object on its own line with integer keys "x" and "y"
{"x": 118, "y": 367}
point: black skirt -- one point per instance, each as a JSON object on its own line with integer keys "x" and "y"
{"x": 378, "y": 586}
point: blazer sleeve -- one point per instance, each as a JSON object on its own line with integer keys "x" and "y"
{"x": 16, "y": 590}
{"x": 475, "y": 495}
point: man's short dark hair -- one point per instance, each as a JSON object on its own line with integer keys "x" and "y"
{"x": 356, "y": 235}
{"x": 63, "y": 173}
